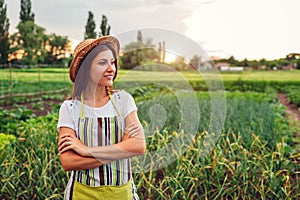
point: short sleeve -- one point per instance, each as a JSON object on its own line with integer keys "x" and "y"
{"x": 128, "y": 104}
{"x": 65, "y": 118}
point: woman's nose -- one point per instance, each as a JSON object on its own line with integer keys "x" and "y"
{"x": 110, "y": 67}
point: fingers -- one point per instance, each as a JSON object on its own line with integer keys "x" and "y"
{"x": 65, "y": 147}
{"x": 125, "y": 137}
{"x": 132, "y": 130}
{"x": 66, "y": 143}
{"x": 71, "y": 142}
{"x": 64, "y": 138}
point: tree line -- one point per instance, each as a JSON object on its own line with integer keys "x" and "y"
{"x": 30, "y": 45}
{"x": 290, "y": 61}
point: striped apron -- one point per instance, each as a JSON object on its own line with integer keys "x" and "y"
{"x": 102, "y": 131}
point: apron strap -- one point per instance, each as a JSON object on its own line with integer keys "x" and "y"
{"x": 82, "y": 106}
{"x": 114, "y": 103}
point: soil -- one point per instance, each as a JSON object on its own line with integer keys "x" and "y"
{"x": 290, "y": 109}
{"x": 45, "y": 106}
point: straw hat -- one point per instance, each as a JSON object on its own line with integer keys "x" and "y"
{"x": 84, "y": 47}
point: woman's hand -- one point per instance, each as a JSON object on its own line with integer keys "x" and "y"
{"x": 131, "y": 131}
{"x": 71, "y": 142}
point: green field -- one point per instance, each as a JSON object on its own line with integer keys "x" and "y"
{"x": 61, "y": 74}
{"x": 47, "y": 79}
{"x": 252, "y": 156}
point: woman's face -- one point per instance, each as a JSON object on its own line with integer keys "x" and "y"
{"x": 103, "y": 69}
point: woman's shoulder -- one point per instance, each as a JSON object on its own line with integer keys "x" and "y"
{"x": 69, "y": 103}
{"x": 121, "y": 94}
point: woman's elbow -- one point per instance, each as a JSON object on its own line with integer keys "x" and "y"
{"x": 65, "y": 163}
{"x": 65, "y": 166}
{"x": 142, "y": 148}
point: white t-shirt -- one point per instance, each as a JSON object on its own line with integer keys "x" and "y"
{"x": 69, "y": 111}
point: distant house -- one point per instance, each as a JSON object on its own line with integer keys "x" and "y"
{"x": 289, "y": 67}
{"x": 206, "y": 65}
{"x": 262, "y": 67}
{"x": 222, "y": 65}
{"x": 227, "y": 67}
{"x": 232, "y": 69}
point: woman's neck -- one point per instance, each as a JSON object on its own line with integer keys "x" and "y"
{"x": 95, "y": 94}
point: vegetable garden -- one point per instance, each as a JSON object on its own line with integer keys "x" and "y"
{"x": 256, "y": 155}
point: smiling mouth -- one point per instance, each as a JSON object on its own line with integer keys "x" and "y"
{"x": 109, "y": 77}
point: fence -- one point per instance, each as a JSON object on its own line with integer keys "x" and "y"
{"x": 23, "y": 83}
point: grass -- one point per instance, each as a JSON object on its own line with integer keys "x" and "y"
{"x": 33, "y": 80}
{"x": 47, "y": 79}
{"x": 195, "y": 75}
{"x": 61, "y": 74}
{"x": 280, "y": 75}
{"x": 32, "y": 75}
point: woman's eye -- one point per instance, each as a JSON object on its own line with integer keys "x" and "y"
{"x": 103, "y": 63}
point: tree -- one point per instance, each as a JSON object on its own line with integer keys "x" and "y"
{"x": 105, "y": 28}
{"x": 232, "y": 60}
{"x": 139, "y": 48}
{"x": 195, "y": 61}
{"x": 31, "y": 39}
{"x": 179, "y": 64}
{"x": 90, "y": 27}
{"x": 138, "y": 53}
{"x": 57, "y": 46}
{"x": 4, "y": 34}
{"x": 294, "y": 59}
{"x": 162, "y": 51}
{"x": 254, "y": 64}
{"x": 245, "y": 62}
{"x": 140, "y": 37}
{"x": 25, "y": 12}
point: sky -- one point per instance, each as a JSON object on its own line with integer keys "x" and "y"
{"x": 251, "y": 29}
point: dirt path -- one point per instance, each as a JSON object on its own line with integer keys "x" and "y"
{"x": 293, "y": 111}
{"x": 290, "y": 108}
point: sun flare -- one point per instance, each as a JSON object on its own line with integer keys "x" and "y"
{"x": 170, "y": 57}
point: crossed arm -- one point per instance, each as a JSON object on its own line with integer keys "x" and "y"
{"x": 74, "y": 155}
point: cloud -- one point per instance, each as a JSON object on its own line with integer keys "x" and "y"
{"x": 242, "y": 28}
{"x": 69, "y": 17}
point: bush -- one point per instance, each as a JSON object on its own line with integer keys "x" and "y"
{"x": 293, "y": 94}
{"x": 6, "y": 139}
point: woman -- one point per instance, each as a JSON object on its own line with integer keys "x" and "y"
{"x": 99, "y": 129}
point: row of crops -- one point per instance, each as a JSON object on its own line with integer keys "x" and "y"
{"x": 20, "y": 82}
{"x": 253, "y": 156}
